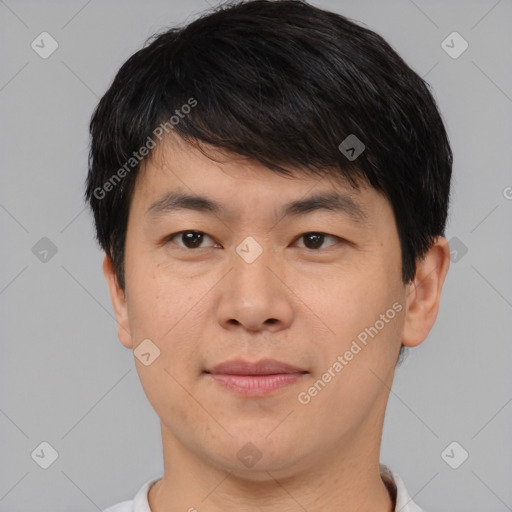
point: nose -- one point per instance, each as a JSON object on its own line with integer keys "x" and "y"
{"x": 254, "y": 295}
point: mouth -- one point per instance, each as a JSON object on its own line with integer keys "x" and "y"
{"x": 255, "y": 379}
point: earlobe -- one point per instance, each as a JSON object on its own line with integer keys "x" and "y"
{"x": 118, "y": 299}
{"x": 424, "y": 294}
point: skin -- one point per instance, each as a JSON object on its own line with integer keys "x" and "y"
{"x": 208, "y": 305}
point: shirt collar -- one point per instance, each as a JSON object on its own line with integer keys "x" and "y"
{"x": 397, "y": 488}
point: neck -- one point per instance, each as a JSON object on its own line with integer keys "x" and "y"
{"x": 345, "y": 480}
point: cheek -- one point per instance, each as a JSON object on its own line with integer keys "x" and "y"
{"x": 164, "y": 310}
{"x": 172, "y": 308}
{"x": 350, "y": 300}
{"x": 155, "y": 301}
{"x": 347, "y": 389}
{"x": 352, "y": 305}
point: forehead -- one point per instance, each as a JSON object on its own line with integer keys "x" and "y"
{"x": 180, "y": 175}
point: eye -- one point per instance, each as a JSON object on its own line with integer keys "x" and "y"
{"x": 190, "y": 239}
{"x": 316, "y": 239}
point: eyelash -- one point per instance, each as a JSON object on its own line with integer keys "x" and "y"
{"x": 169, "y": 239}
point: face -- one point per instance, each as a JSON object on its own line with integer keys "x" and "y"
{"x": 319, "y": 289}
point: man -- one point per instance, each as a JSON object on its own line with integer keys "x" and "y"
{"x": 270, "y": 185}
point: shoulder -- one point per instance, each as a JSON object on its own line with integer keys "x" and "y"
{"x": 139, "y": 502}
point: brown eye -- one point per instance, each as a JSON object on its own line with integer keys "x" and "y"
{"x": 189, "y": 239}
{"x": 314, "y": 240}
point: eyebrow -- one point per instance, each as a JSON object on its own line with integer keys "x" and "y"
{"x": 332, "y": 201}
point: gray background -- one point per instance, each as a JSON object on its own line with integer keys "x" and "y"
{"x": 65, "y": 378}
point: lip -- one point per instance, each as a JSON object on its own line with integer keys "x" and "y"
{"x": 263, "y": 367}
{"x": 255, "y": 379}
{"x": 255, "y": 385}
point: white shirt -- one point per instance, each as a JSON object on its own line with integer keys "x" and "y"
{"x": 403, "y": 502}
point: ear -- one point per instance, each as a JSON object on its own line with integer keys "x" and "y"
{"x": 424, "y": 293}
{"x": 117, "y": 296}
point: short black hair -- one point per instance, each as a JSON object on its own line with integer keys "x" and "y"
{"x": 284, "y": 83}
